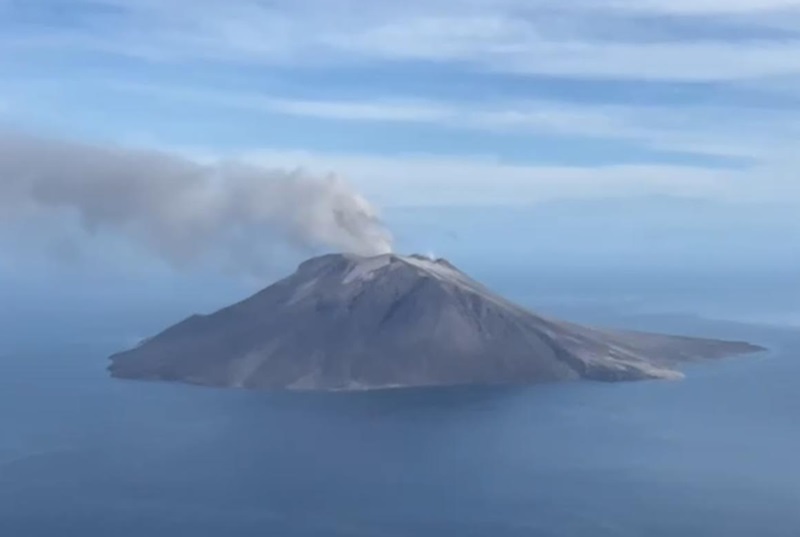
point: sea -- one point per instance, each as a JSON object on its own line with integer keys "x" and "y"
{"x": 716, "y": 454}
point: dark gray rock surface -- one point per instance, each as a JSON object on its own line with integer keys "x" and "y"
{"x": 344, "y": 322}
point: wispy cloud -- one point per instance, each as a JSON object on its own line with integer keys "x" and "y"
{"x": 713, "y": 130}
{"x": 544, "y": 37}
{"x": 351, "y": 110}
{"x": 707, "y": 6}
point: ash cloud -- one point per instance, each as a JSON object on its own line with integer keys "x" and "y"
{"x": 184, "y": 210}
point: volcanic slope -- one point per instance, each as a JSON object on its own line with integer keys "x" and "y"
{"x": 345, "y": 322}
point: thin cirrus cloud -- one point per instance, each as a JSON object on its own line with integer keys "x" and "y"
{"x": 709, "y": 6}
{"x": 711, "y": 130}
{"x": 543, "y": 37}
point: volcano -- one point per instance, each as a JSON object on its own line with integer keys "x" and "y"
{"x": 346, "y": 322}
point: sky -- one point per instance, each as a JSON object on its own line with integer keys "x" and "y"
{"x": 602, "y": 133}
{"x": 429, "y": 102}
{"x": 576, "y": 138}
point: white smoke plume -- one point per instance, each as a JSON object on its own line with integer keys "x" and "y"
{"x": 183, "y": 209}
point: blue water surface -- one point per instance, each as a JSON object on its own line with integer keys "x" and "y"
{"x": 84, "y": 455}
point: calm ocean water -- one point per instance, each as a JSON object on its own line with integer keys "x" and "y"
{"x": 83, "y": 455}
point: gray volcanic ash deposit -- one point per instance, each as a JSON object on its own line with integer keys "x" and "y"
{"x": 347, "y": 322}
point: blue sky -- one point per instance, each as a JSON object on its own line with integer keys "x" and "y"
{"x": 429, "y": 102}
